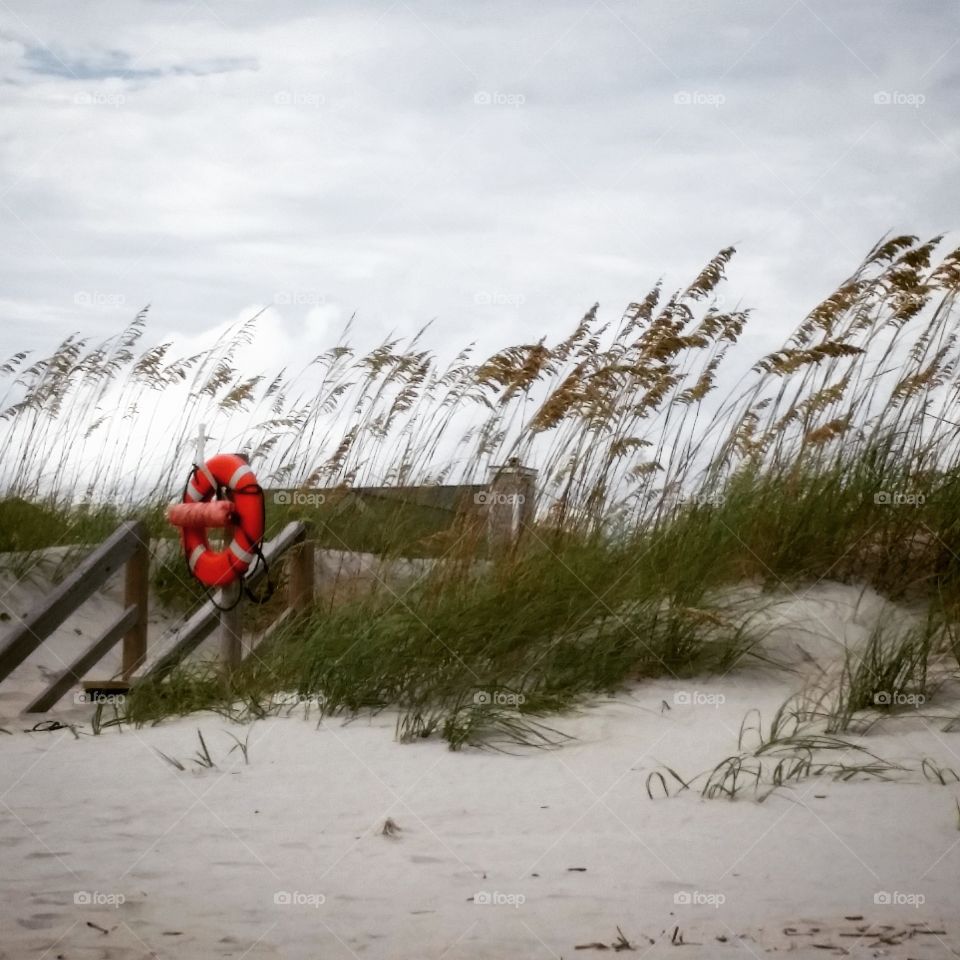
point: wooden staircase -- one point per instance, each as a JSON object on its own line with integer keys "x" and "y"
{"x": 129, "y": 546}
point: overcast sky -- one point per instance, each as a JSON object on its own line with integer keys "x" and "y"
{"x": 495, "y": 166}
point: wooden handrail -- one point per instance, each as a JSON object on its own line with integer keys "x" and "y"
{"x": 129, "y": 544}
{"x": 129, "y": 539}
{"x": 89, "y": 658}
{"x": 189, "y": 635}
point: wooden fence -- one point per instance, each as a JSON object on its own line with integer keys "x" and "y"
{"x": 129, "y": 545}
{"x": 507, "y": 499}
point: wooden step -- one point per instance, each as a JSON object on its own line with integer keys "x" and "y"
{"x": 105, "y": 691}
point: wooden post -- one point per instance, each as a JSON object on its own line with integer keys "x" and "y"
{"x": 137, "y": 594}
{"x": 231, "y": 635}
{"x": 300, "y": 577}
{"x": 181, "y": 641}
{"x": 510, "y": 500}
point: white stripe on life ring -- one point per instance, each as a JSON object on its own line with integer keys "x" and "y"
{"x": 198, "y": 551}
{"x": 238, "y": 475}
{"x": 193, "y": 493}
{"x": 205, "y": 470}
{"x": 241, "y": 554}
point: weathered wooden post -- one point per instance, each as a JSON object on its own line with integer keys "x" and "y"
{"x": 231, "y": 635}
{"x": 510, "y": 500}
{"x": 300, "y": 577}
{"x": 136, "y": 594}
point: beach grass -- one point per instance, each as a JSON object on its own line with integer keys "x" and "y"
{"x": 832, "y": 457}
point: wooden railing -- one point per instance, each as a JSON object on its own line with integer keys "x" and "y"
{"x": 189, "y": 635}
{"x": 129, "y": 544}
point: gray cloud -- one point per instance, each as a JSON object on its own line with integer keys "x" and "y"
{"x": 498, "y": 166}
{"x": 120, "y": 65}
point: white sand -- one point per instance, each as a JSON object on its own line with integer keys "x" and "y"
{"x": 200, "y": 857}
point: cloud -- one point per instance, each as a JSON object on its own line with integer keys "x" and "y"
{"x": 120, "y": 65}
{"x": 498, "y": 167}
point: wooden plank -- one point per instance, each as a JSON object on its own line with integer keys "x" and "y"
{"x": 92, "y": 573}
{"x": 301, "y": 576}
{"x": 173, "y": 647}
{"x": 93, "y": 654}
{"x": 300, "y": 586}
{"x": 176, "y": 645}
{"x": 137, "y": 594}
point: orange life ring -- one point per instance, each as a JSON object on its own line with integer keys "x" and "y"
{"x": 218, "y": 568}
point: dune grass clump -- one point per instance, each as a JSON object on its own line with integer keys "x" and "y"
{"x": 835, "y": 456}
{"x": 466, "y": 658}
{"x": 792, "y": 750}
